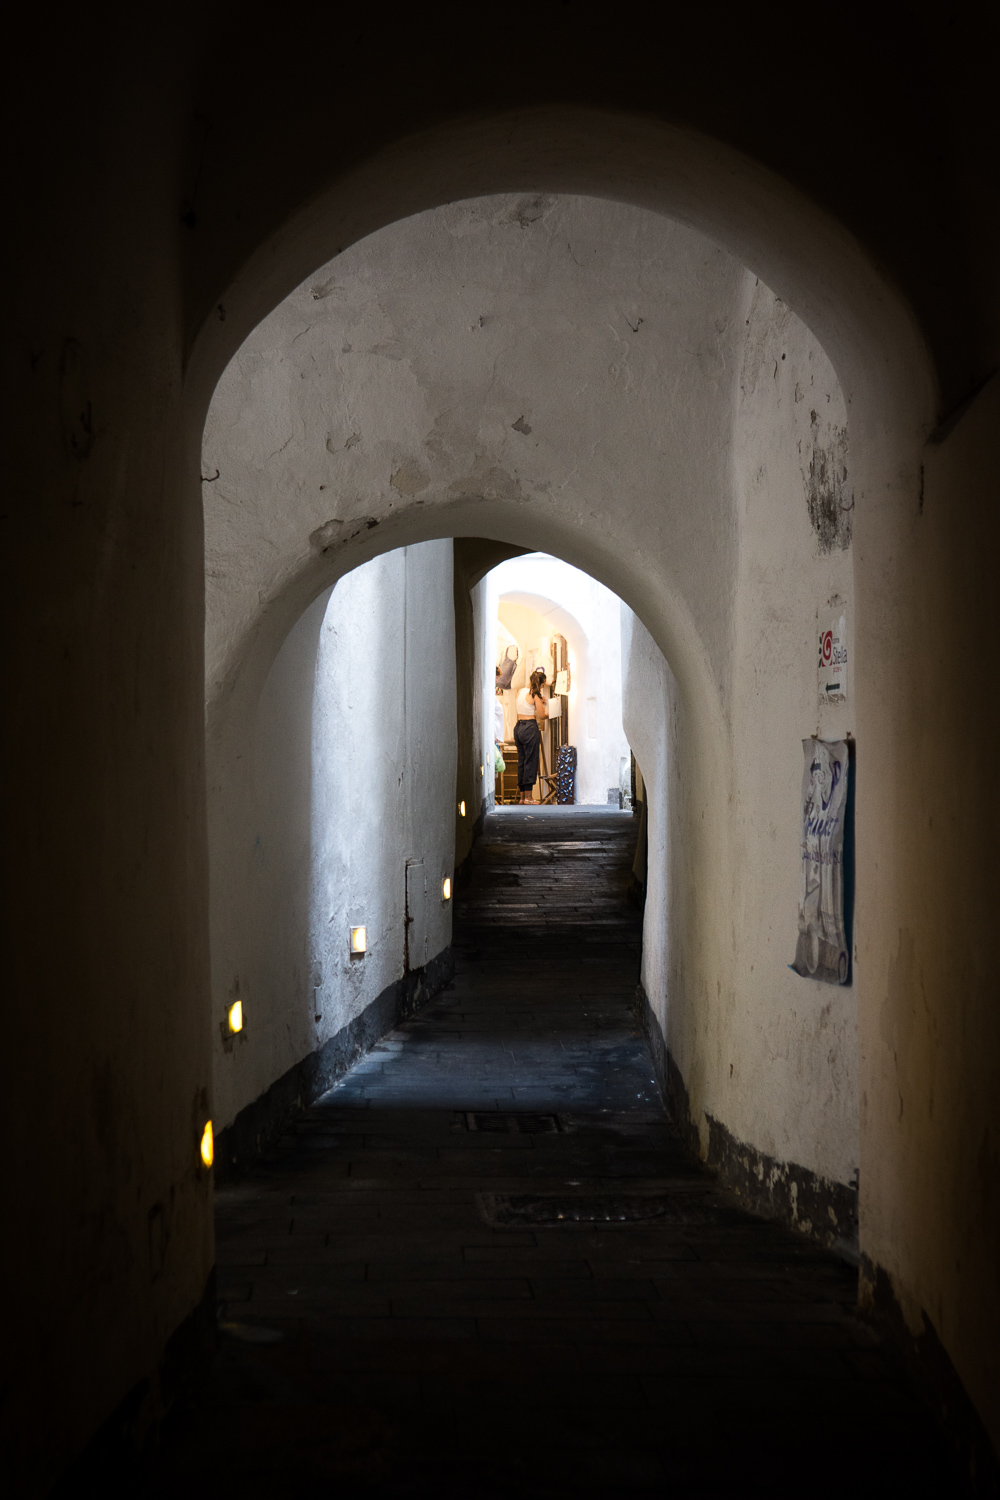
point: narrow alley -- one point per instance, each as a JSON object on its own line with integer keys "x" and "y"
{"x": 484, "y": 1266}
{"x": 417, "y": 412}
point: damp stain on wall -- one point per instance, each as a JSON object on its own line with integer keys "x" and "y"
{"x": 828, "y": 491}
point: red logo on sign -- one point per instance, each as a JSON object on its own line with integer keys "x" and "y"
{"x": 826, "y": 646}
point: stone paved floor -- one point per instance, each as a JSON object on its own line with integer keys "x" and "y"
{"x": 403, "y": 1312}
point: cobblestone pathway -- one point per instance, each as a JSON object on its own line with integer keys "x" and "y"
{"x": 482, "y": 1266}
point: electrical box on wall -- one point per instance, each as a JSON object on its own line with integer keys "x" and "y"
{"x": 833, "y": 665}
{"x": 416, "y": 914}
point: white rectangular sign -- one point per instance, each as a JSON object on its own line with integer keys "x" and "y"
{"x": 833, "y": 656}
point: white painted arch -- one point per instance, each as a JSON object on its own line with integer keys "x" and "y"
{"x": 384, "y": 403}
{"x": 809, "y": 259}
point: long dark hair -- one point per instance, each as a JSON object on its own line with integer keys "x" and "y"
{"x": 537, "y": 678}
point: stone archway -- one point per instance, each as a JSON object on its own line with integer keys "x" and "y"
{"x": 597, "y": 381}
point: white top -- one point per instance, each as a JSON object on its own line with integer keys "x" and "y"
{"x": 498, "y": 724}
{"x": 525, "y": 705}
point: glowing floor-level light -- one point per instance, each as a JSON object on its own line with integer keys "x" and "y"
{"x": 359, "y": 940}
{"x": 461, "y": 809}
{"x": 207, "y": 1144}
{"x": 236, "y": 1016}
{"x": 446, "y": 889}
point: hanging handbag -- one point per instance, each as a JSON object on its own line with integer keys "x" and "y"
{"x": 507, "y": 667}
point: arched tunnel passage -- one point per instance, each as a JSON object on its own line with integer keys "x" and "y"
{"x": 670, "y": 450}
{"x": 599, "y": 381}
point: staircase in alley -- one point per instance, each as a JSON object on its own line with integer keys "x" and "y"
{"x": 557, "y": 869}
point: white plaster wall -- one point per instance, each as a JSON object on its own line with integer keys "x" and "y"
{"x": 650, "y": 707}
{"x": 565, "y": 599}
{"x": 771, "y": 1055}
{"x": 787, "y": 1037}
{"x": 351, "y": 776}
{"x": 484, "y": 607}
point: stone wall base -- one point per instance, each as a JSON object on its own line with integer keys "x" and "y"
{"x": 824, "y": 1210}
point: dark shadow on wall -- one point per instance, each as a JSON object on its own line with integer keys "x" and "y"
{"x": 116, "y": 1460}
{"x": 934, "y": 1375}
{"x": 849, "y": 855}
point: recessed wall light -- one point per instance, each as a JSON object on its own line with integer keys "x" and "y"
{"x": 207, "y": 1144}
{"x": 446, "y": 888}
{"x": 359, "y": 940}
{"x": 236, "y": 1016}
{"x": 461, "y": 809}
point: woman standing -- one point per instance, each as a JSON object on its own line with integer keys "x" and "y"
{"x": 531, "y": 707}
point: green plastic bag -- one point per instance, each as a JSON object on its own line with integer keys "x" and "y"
{"x": 499, "y": 764}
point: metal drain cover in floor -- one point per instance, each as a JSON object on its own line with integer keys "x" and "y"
{"x": 534, "y": 1211}
{"x": 520, "y": 1123}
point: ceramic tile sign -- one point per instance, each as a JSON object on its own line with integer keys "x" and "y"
{"x": 832, "y": 669}
{"x": 821, "y": 951}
